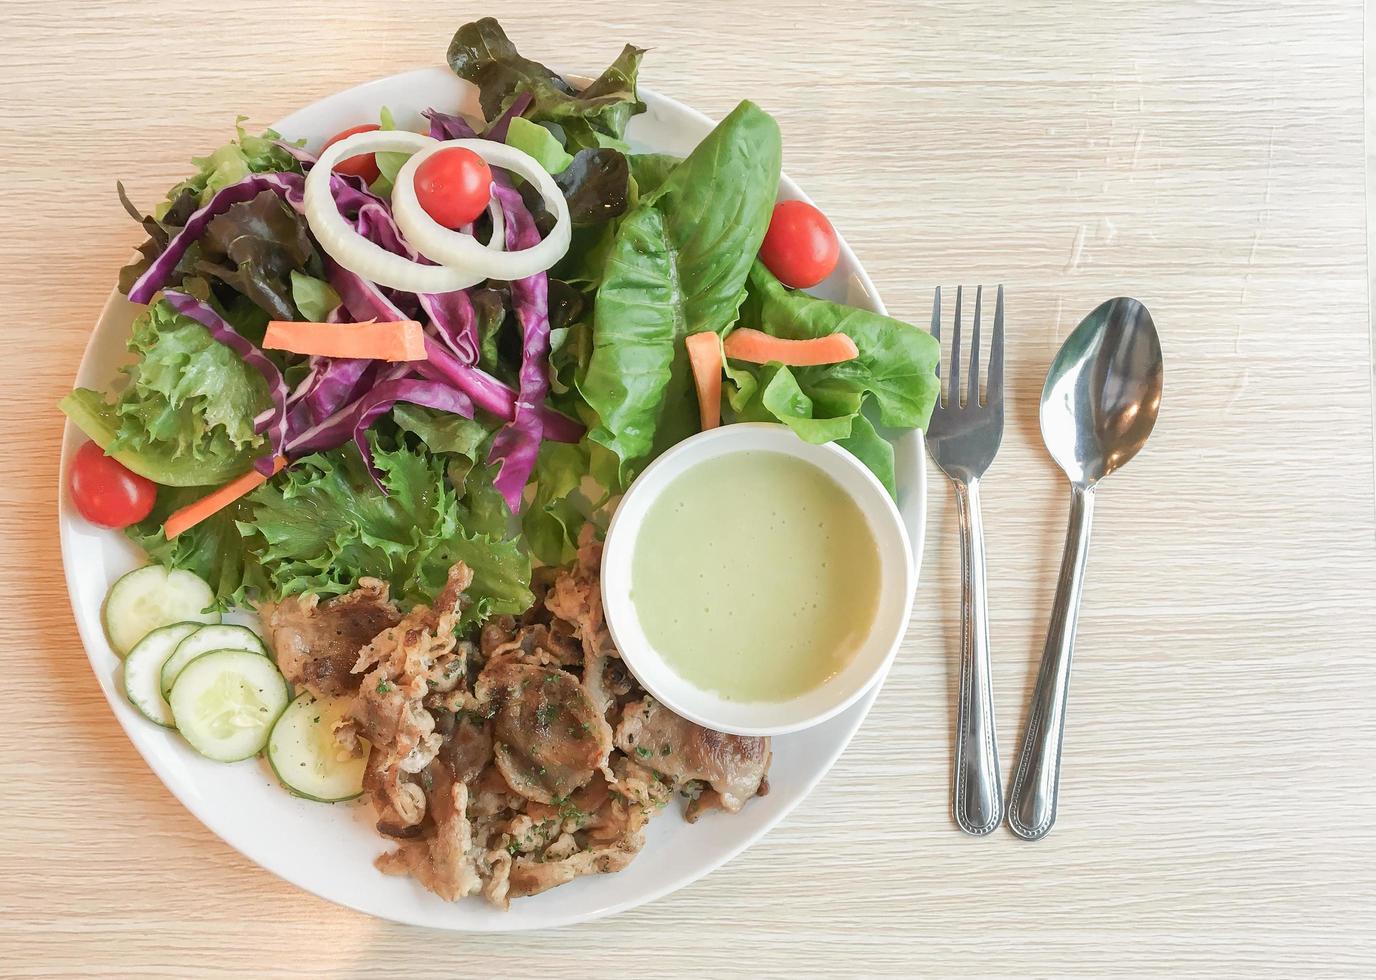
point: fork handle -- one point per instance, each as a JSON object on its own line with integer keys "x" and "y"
{"x": 1037, "y": 779}
{"x": 978, "y": 796}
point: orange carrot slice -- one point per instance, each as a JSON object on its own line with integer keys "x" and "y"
{"x": 400, "y": 340}
{"x": 758, "y": 347}
{"x": 704, "y": 354}
{"x": 212, "y": 503}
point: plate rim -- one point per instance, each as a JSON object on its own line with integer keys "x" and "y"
{"x": 93, "y": 639}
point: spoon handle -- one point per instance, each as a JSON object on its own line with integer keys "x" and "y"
{"x": 978, "y": 796}
{"x": 1036, "y": 781}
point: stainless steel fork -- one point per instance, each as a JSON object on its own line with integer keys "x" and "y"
{"x": 963, "y": 440}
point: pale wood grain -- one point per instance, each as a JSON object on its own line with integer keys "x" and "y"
{"x": 1219, "y": 809}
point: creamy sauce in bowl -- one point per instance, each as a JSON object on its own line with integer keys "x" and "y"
{"x": 755, "y": 575}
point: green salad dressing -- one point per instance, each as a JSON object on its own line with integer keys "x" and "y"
{"x": 755, "y": 576}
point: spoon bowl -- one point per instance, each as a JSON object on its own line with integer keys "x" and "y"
{"x": 1103, "y": 391}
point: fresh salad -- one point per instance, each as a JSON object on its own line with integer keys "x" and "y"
{"x": 400, "y": 353}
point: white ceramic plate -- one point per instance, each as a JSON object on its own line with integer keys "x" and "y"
{"x": 329, "y": 850}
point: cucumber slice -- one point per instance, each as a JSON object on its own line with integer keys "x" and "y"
{"x": 204, "y": 640}
{"x": 143, "y": 668}
{"x": 304, "y": 754}
{"x": 153, "y": 596}
{"x": 225, "y": 703}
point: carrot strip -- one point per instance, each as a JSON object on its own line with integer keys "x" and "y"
{"x": 704, "y": 354}
{"x": 758, "y": 347}
{"x": 193, "y": 513}
{"x": 400, "y": 340}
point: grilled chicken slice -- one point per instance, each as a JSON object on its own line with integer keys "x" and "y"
{"x": 733, "y": 765}
{"x": 317, "y": 643}
{"x": 549, "y": 738}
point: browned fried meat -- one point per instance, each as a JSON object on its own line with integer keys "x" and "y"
{"x": 317, "y": 643}
{"x": 540, "y": 644}
{"x": 515, "y": 764}
{"x": 530, "y": 876}
{"x": 549, "y": 738}
{"x": 733, "y": 765}
{"x": 400, "y": 667}
{"x": 442, "y": 859}
{"x": 576, "y": 597}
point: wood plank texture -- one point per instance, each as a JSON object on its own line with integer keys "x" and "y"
{"x": 1218, "y": 812}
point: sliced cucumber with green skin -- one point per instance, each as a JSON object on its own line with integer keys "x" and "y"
{"x": 307, "y": 758}
{"x": 150, "y": 597}
{"x": 204, "y": 640}
{"x": 143, "y": 668}
{"x": 226, "y": 702}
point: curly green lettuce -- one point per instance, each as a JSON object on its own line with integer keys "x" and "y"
{"x": 185, "y": 415}
{"x": 323, "y": 525}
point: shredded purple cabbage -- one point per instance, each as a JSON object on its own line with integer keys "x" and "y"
{"x": 353, "y": 420}
{"x": 498, "y": 129}
{"x": 365, "y": 301}
{"x": 272, "y": 421}
{"x": 446, "y": 126}
{"x": 517, "y": 444}
{"x": 451, "y": 313}
{"x": 337, "y": 381}
{"x": 300, "y": 154}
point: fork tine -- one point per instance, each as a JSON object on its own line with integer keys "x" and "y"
{"x": 972, "y": 389}
{"x": 953, "y": 396}
{"x": 995, "y": 384}
{"x": 936, "y": 335}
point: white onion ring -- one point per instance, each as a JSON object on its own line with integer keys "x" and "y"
{"x": 459, "y": 251}
{"x": 356, "y": 253}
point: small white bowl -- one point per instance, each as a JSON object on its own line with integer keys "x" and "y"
{"x": 707, "y": 708}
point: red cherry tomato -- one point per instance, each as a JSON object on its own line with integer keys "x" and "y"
{"x": 454, "y": 186}
{"x": 106, "y": 492}
{"x": 800, "y": 247}
{"x": 364, "y": 165}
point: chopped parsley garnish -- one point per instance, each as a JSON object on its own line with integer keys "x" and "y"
{"x": 384, "y": 686}
{"x": 642, "y": 751}
{"x": 664, "y": 750}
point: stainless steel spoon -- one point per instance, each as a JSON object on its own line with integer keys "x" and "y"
{"x": 1098, "y": 406}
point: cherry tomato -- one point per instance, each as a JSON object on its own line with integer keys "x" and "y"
{"x": 800, "y": 247}
{"x": 106, "y": 492}
{"x": 454, "y": 186}
{"x": 364, "y": 165}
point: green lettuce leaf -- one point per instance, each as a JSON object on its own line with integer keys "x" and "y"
{"x": 322, "y": 525}
{"x": 482, "y": 53}
{"x": 551, "y": 521}
{"x": 778, "y": 398}
{"x": 872, "y": 449}
{"x": 897, "y": 362}
{"x": 314, "y": 298}
{"x": 895, "y": 373}
{"x": 390, "y": 162}
{"x": 230, "y": 164}
{"x": 185, "y": 415}
{"x": 442, "y": 432}
{"x": 650, "y": 170}
{"x": 214, "y": 549}
{"x": 677, "y": 266}
{"x": 538, "y": 142}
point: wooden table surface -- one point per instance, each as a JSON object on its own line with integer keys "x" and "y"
{"x": 1218, "y": 813}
